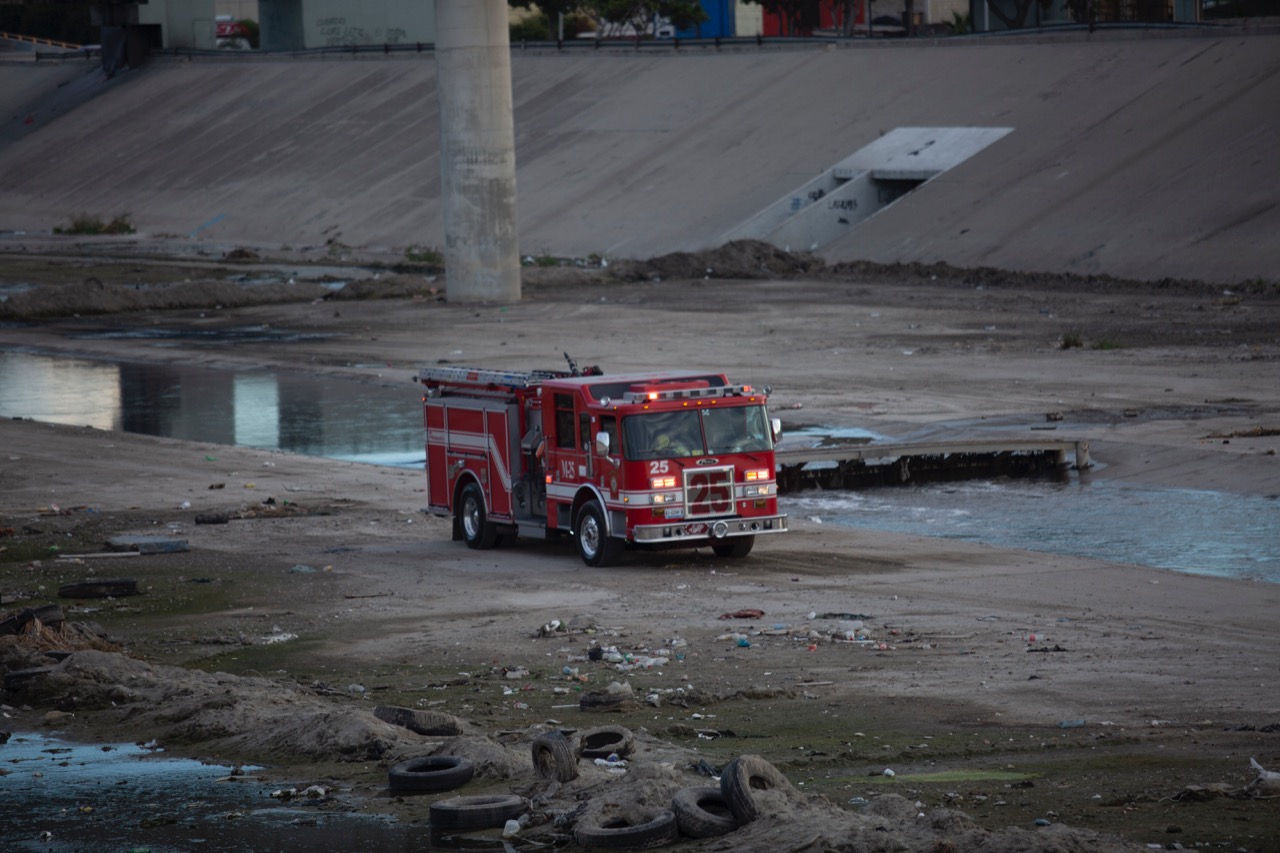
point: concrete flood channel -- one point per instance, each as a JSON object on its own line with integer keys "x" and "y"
{"x": 127, "y": 797}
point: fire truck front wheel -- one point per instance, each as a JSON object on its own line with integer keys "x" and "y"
{"x": 595, "y": 545}
{"x": 477, "y": 532}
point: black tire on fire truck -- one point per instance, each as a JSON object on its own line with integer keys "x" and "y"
{"x": 738, "y": 547}
{"x": 477, "y": 532}
{"x": 595, "y": 546}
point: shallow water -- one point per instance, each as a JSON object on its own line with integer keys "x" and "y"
{"x": 333, "y": 418}
{"x": 1185, "y": 530}
{"x": 59, "y": 797}
{"x": 1200, "y": 532}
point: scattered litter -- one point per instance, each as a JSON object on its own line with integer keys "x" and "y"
{"x": 749, "y": 613}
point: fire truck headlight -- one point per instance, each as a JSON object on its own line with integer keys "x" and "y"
{"x": 760, "y": 491}
{"x": 663, "y": 499}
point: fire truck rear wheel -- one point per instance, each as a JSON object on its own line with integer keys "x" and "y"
{"x": 595, "y": 545}
{"x": 739, "y": 547}
{"x": 477, "y": 532}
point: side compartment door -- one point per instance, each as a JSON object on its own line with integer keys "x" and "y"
{"x": 501, "y": 448}
{"x": 438, "y": 494}
{"x": 465, "y": 444}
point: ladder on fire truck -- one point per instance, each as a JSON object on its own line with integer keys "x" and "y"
{"x": 481, "y": 378}
{"x": 474, "y": 377}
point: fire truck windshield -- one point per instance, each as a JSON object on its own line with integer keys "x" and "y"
{"x": 696, "y": 432}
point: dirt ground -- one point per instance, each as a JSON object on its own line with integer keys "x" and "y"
{"x": 1002, "y": 688}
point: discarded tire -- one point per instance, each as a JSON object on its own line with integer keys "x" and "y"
{"x": 603, "y": 741}
{"x": 419, "y": 722}
{"x": 702, "y": 812}
{"x": 655, "y": 829}
{"x": 741, "y": 776}
{"x": 480, "y": 812}
{"x": 434, "y": 773}
{"x": 553, "y": 757}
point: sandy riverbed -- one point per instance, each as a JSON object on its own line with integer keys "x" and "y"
{"x": 1174, "y": 676}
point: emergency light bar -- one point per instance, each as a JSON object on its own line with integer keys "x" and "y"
{"x": 686, "y": 393}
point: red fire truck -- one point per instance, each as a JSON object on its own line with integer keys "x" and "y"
{"x": 642, "y": 459}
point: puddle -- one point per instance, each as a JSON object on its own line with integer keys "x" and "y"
{"x": 59, "y": 797}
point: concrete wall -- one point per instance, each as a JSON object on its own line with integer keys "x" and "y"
{"x": 1150, "y": 155}
{"x": 327, "y": 23}
{"x": 238, "y": 9}
{"x": 748, "y": 19}
{"x": 184, "y": 23}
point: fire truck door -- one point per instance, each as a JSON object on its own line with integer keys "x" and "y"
{"x": 567, "y": 461}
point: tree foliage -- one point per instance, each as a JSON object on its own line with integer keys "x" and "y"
{"x": 621, "y": 15}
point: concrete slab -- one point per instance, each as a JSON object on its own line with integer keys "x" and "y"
{"x": 1136, "y": 155}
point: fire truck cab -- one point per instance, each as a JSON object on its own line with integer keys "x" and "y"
{"x": 616, "y": 461}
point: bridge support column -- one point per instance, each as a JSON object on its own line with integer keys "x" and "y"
{"x": 477, "y": 151}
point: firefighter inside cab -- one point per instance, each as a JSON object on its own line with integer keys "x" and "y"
{"x": 671, "y": 459}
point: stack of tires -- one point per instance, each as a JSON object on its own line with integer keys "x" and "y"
{"x": 706, "y": 811}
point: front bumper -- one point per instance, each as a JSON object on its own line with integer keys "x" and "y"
{"x": 709, "y": 530}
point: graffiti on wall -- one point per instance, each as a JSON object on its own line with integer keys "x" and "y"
{"x": 336, "y": 31}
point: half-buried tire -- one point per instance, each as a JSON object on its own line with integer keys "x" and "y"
{"x": 433, "y": 773}
{"x": 653, "y": 829}
{"x": 742, "y": 776}
{"x": 479, "y": 812}
{"x": 701, "y": 812}
{"x": 553, "y": 757}
{"x": 603, "y": 741}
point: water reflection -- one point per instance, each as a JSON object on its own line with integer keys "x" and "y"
{"x": 334, "y": 418}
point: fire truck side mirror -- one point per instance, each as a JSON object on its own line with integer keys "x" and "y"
{"x": 602, "y": 443}
{"x": 775, "y": 424}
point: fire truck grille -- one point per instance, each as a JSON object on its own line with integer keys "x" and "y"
{"x": 708, "y": 492}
